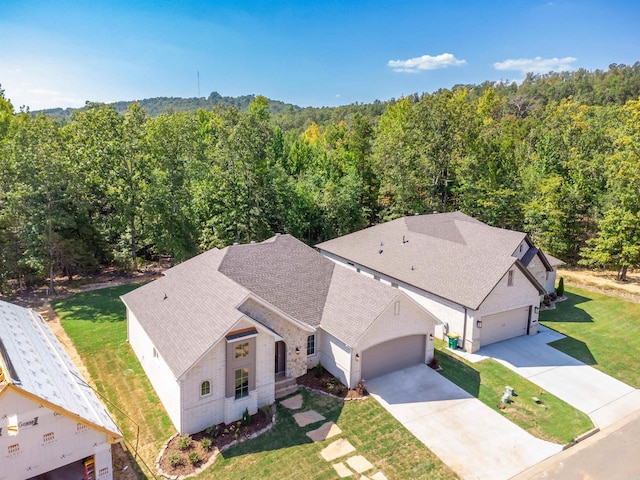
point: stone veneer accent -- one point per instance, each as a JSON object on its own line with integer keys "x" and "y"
{"x": 293, "y": 335}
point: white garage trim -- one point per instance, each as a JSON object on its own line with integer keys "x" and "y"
{"x": 393, "y": 355}
{"x": 504, "y": 325}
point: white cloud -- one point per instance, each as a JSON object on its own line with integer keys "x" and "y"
{"x": 536, "y": 65}
{"x": 425, "y": 62}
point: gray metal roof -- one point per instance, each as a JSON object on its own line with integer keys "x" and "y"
{"x": 194, "y": 304}
{"x": 449, "y": 254}
{"x": 39, "y": 365}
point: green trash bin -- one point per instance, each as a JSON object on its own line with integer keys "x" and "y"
{"x": 453, "y": 340}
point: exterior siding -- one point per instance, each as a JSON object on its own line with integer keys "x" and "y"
{"x": 504, "y": 298}
{"x": 336, "y": 358}
{"x": 550, "y": 282}
{"x": 293, "y": 335}
{"x": 410, "y": 320}
{"x": 455, "y": 318}
{"x": 157, "y": 371}
{"x": 201, "y": 412}
{"x": 37, "y": 456}
{"x": 539, "y": 271}
{"x": 443, "y": 310}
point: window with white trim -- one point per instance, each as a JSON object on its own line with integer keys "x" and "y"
{"x": 13, "y": 449}
{"x": 242, "y": 383}
{"x": 205, "y": 388}
{"x": 48, "y": 437}
{"x": 311, "y": 345}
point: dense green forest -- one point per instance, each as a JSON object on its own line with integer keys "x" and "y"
{"x": 557, "y": 156}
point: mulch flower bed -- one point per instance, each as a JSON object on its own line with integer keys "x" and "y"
{"x": 220, "y": 436}
{"x": 329, "y": 384}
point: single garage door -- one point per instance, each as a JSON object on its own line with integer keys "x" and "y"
{"x": 504, "y": 325}
{"x": 393, "y": 355}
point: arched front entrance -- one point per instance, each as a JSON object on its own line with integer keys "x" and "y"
{"x": 281, "y": 357}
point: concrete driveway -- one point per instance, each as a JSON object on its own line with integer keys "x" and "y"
{"x": 472, "y": 439}
{"x": 605, "y": 399}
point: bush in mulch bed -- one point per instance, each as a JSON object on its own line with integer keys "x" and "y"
{"x": 320, "y": 379}
{"x": 183, "y": 457}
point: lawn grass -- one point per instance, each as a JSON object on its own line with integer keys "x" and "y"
{"x": 602, "y": 331}
{"x": 554, "y": 420}
{"x": 95, "y": 321}
{"x": 286, "y": 452}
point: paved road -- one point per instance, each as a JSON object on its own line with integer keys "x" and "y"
{"x": 612, "y": 454}
{"x": 472, "y": 439}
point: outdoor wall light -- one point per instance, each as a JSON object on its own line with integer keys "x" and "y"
{"x": 535, "y": 309}
{"x": 479, "y": 323}
{"x": 297, "y": 350}
{"x": 357, "y": 357}
{"x": 431, "y": 337}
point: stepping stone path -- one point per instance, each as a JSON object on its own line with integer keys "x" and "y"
{"x": 306, "y": 418}
{"x": 359, "y": 464}
{"x": 378, "y": 476}
{"x": 327, "y": 430}
{"x": 293, "y": 403}
{"x": 342, "y": 470}
{"x": 338, "y": 448}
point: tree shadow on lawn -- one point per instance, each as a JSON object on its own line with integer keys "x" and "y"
{"x": 576, "y": 349}
{"x": 286, "y": 433}
{"x": 567, "y": 311}
{"x": 102, "y": 305}
{"x": 459, "y": 373}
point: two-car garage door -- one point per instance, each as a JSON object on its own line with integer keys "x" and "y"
{"x": 504, "y": 325}
{"x": 393, "y": 355}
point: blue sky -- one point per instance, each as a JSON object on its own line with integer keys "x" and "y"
{"x": 324, "y": 53}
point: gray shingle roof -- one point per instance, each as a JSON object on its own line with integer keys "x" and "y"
{"x": 553, "y": 261}
{"x": 285, "y": 272}
{"x": 188, "y": 309}
{"x": 449, "y": 254}
{"x": 39, "y": 365}
{"x": 202, "y": 295}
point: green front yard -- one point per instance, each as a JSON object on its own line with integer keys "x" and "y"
{"x": 602, "y": 331}
{"x": 95, "y": 321}
{"x": 552, "y": 420}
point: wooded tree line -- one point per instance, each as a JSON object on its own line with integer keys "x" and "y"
{"x": 111, "y": 188}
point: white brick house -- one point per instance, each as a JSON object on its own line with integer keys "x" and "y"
{"x": 481, "y": 282}
{"x": 217, "y": 331}
{"x": 51, "y": 422}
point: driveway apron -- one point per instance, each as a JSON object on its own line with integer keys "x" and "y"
{"x": 605, "y": 399}
{"x": 472, "y": 439}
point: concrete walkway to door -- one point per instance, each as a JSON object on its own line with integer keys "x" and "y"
{"x": 472, "y": 439}
{"x": 605, "y": 399}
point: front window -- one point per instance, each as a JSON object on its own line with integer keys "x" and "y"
{"x": 242, "y": 383}
{"x": 205, "y": 388}
{"x": 311, "y": 344}
{"x": 242, "y": 350}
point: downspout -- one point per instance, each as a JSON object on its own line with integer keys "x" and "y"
{"x": 464, "y": 330}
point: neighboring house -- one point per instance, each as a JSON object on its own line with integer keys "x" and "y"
{"x": 52, "y": 425}
{"x": 221, "y": 332}
{"x": 481, "y": 282}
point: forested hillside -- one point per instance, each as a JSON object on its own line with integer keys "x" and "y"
{"x": 557, "y": 157}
